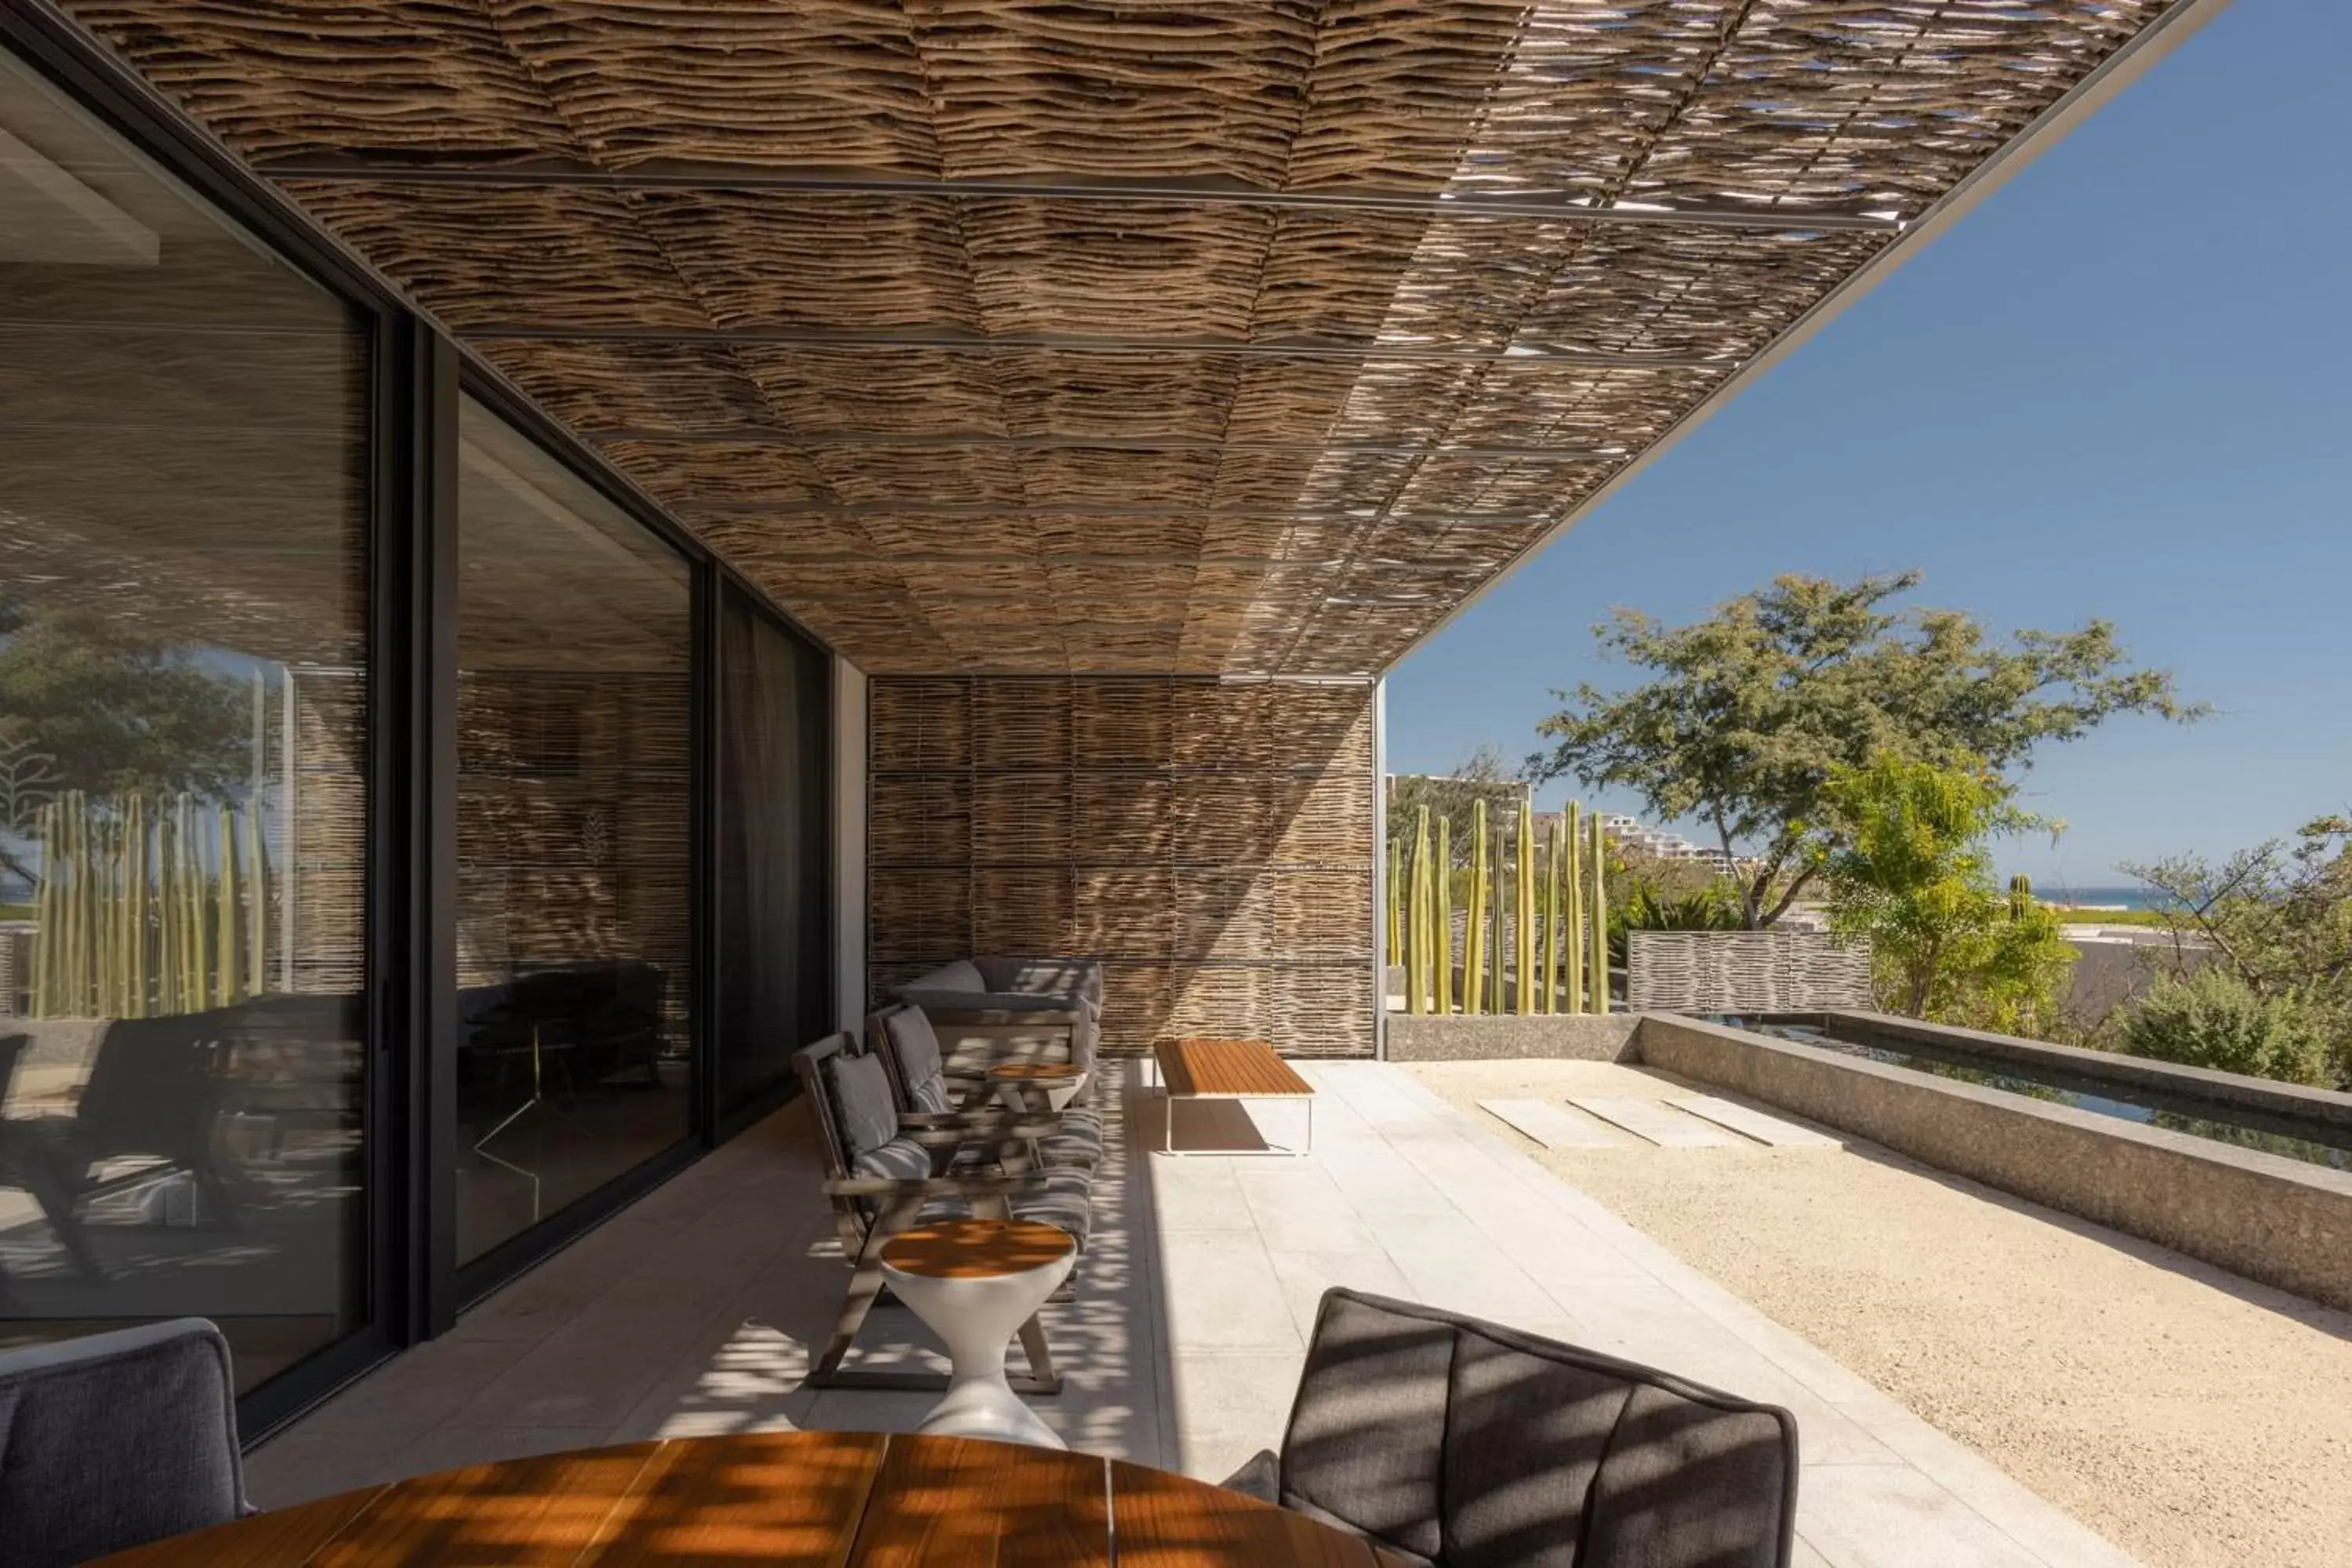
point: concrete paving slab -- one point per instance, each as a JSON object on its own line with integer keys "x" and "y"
{"x": 1746, "y": 1119}
{"x": 1553, "y": 1126}
{"x": 1650, "y": 1119}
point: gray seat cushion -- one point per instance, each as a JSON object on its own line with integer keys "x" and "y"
{"x": 114, "y": 1440}
{"x": 916, "y": 1045}
{"x": 863, "y": 1106}
{"x": 1465, "y": 1445}
{"x": 901, "y": 1159}
{"x": 1066, "y": 1203}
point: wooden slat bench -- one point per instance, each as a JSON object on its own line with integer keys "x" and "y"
{"x": 1228, "y": 1069}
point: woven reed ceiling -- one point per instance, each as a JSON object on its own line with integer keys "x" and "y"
{"x": 981, "y": 334}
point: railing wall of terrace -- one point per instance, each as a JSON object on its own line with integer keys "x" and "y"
{"x": 1211, "y": 841}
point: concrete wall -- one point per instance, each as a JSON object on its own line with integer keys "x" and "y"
{"x": 1430, "y": 1038}
{"x": 2268, "y": 1218}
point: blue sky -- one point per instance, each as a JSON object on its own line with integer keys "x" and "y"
{"x": 2122, "y": 387}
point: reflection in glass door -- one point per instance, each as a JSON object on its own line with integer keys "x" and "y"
{"x": 575, "y": 835}
{"x": 182, "y": 797}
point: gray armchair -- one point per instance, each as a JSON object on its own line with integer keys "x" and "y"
{"x": 982, "y": 1006}
{"x": 111, "y": 1441}
{"x": 1449, "y": 1441}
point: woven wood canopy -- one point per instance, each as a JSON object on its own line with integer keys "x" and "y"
{"x": 1009, "y": 336}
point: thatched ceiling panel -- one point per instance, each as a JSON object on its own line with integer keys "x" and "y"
{"x": 1026, "y": 87}
{"x": 1023, "y": 581}
{"x": 959, "y": 477}
{"x": 1335, "y": 481}
{"x": 1069, "y": 534}
{"x": 479, "y": 259}
{"x": 846, "y": 263}
{"x": 814, "y": 83}
{"x": 904, "y": 391}
{"x": 1403, "y": 400}
{"x": 1161, "y": 586}
{"x": 633, "y": 386}
{"x": 1573, "y": 407}
{"x": 1114, "y": 267}
{"x": 287, "y": 78}
{"x": 1334, "y": 273}
{"x": 1129, "y": 396}
{"x": 768, "y": 543}
{"x": 1886, "y": 104}
{"x": 1238, "y": 330}
{"x": 1094, "y": 476}
{"x": 1290, "y": 400}
{"x": 697, "y": 475}
{"x": 1399, "y": 90}
{"x": 1682, "y": 291}
{"x": 1442, "y": 486}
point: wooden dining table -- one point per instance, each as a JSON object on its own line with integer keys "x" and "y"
{"x": 836, "y": 1499}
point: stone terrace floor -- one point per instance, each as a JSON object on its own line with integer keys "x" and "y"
{"x": 691, "y": 1313}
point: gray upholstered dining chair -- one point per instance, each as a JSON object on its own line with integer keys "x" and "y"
{"x": 1448, "y": 1441}
{"x": 113, "y": 1441}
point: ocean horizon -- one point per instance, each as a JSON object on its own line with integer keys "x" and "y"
{"x": 2135, "y": 897}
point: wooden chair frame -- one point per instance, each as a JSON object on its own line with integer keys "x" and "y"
{"x": 897, "y": 1204}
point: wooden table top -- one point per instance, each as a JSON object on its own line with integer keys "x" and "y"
{"x": 975, "y": 1248}
{"x": 1226, "y": 1069}
{"x": 839, "y": 1500}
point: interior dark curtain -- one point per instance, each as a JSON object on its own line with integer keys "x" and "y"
{"x": 775, "y": 961}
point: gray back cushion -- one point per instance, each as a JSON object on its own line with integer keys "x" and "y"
{"x": 862, "y": 1105}
{"x": 1469, "y": 1446}
{"x": 114, "y": 1440}
{"x": 961, "y": 975}
{"x": 917, "y": 1045}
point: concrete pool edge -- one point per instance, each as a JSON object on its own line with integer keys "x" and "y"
{"x": 2270, "y": 1219}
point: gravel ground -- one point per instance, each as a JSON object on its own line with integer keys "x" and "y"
{"x": 2190, "y": 1416}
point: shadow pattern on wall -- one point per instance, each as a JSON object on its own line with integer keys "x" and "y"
{"x": 1211, "y": 841}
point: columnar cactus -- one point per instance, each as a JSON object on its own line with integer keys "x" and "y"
{"x": 1597, "y": 912}
{"x": 1442, "y": 931}
{"x": 1473, "y": 934}
{"x": 1523, "y": 898}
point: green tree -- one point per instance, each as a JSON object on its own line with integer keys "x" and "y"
{"x": 1753, "y": 710}
{"x": 2212, "y": 1018}
{"x": 2277, "y": 920}
{"x": 1912, "y": 869}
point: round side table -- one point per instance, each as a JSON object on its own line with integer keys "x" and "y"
{"x": 1057, "y": 1082}
{"x": 975, "y": 1281}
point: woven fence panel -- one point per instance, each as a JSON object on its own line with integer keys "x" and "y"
{"x": 1746, "y": 971}
{"x": 1210, "y": 842}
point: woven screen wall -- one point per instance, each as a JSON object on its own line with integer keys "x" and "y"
{"x": 1212, "y": 842}
{"x": 573, "y": 824}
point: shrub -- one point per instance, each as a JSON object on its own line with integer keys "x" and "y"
{"x": 2212, "y": 1019}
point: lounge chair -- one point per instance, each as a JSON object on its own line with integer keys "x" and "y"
{"x": 114, "y": 1440}
{"x": 929, "y": 1095}
{"x": 884, "y": 1174}
{"x": 984, "y": 1008}
{"x": 1445, "y": 1441}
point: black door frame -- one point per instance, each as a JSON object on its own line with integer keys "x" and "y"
{"x": 412, "y": 1287}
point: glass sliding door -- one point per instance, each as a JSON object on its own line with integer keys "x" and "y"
{"x": 574, "y": 838}
{"x": 775, "y": 989}
{"x": 184, "y": 809}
